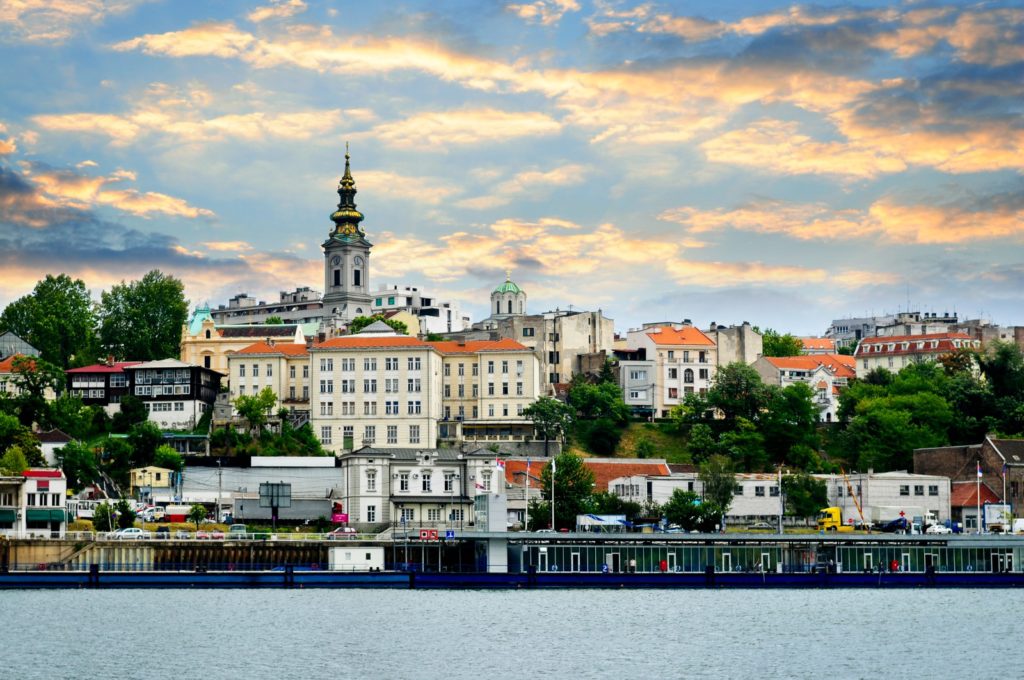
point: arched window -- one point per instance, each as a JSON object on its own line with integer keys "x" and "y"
{"x": 207, "y": 334}
{"x": 497, "y": 307}
{"x": 509, "y": 306}
{"x": 688, "y": 375}
{"x": 337, "y": 277}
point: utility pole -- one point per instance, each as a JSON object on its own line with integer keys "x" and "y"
{"x": 553, "y": 494}
{"x": 220, "y": 486}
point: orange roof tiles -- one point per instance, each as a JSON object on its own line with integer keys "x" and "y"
{"x": 357, "y": 342}
{"x": 842, "y": 366}
{"x": 7, "y": 365}
{"x": 473, "y": 346}
{"x": 604, "y": 470}
{"x": 687, "y": 335}
{"x": 965, "y": 495}
{"x": 943, "y": 341}
{"x": 286, "y": 348}
{"x": 818, "y": 343}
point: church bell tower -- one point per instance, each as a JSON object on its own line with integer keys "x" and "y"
{"x": 346, "y": 259}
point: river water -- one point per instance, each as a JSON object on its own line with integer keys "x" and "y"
{"x": 748, "y": 634}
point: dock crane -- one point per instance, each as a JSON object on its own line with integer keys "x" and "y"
{"x": 856, "y": 501}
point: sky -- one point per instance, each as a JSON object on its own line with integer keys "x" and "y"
{"x": 782, "y": 164}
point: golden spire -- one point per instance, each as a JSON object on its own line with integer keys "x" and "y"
{"x": 346, "y": 218}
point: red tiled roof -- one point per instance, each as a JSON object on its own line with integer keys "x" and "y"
{"x": 53, "y": 436}
{"x": 964, "y": 495}
{"x": 357, "y": 342}
{"x": 818, "y": 343}
{"x": 42, "y": 473}
{"x": 7, "y": 365}
{"x": 515, "y": 472}
{"x": 687, "y": 335}
{"x": 116, "y": 367}
{"x": 606, "y": 471}
{"x": 880, "y": 345}
{"x": 473, "y": 346}
{"x": 288, "y": 348}
{"x": 842, "y": 366}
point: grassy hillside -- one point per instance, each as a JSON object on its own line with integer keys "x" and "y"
{"x": 664, "y": 442}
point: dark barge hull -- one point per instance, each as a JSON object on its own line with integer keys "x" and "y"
{"x": 289, "y": 578}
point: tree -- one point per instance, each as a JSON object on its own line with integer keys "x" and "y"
{"x": 58, "y": 318}
{"x": 574, "y": 485}
{"x": 103, "y": 517}
{"x": 274, "y": 321}
{"x": 603, "y": 400}
{"x": 68, "y": 414}
{"x": 360, "y": 322}
{"x": 142, "y": 320}
{"x": 14, "y": 434}
{"x": 125, "y": 515}
{"x": 256, "y": 408}
{"x": 133, "y": 411}
{"x": 719, "y": 479}
{"x": 686, "y": 509}
{"x": 744, "y": 446}
{"x": 550, "y": 417}
{"x": 116, "y": 458}
{"x": 645, "y": 448}
{"x": 790, "y": 419}
{"x": 607, "y": 503}
{"x": 144, "y": 439}
{"x": 79, "y": 464}
{"x": 196, "y": 514}
{"x": 737, "y": 391}
{"x": 166, "y": 457}
{"x": 35, "y": 380}
{"x": 805, "y": 495}
{"x": 776, "y": 345}
{"x": 13, "y": 462}
{"x": 701, "y": 443}
{"x": 607, "y": 374}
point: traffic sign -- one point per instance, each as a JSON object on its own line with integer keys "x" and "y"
{"x": 449, "y": 533}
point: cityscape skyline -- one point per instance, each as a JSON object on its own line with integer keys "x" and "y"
{"x": 773, "y": 163}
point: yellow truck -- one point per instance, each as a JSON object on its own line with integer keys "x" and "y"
{"x": 831, "y": 519}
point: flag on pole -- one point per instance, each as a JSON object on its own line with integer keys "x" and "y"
{"x": 1004, "y": 470}
{"x": 979, "y": 470}
{"x": 500, "y": 464}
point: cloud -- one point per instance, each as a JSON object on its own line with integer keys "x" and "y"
{"x": 279, "y": 9}
{"x": 56, "y": 20}
{"x": 537, "y": 183}
{"x": 226, "y": 246}
{"x": 424, "y": 190}
{"x": 435, "y": 130}
{"x": 544, "y": 12}
{"x": 7, "y": 146}
{"x": 182, "y": 115}
{"x": 52, "y": 189}
{"x": 971, "y": 220}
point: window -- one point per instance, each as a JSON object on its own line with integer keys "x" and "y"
{"x": 759, "y": 491}
{"x": 391, "y": 408}
{"x": 326, "y": 408}
{"x": 703, "y": 374}
{"x": 476, "y": 390}
{"x": 255, "y": 370}
{"x": 371, "y": 480}
{"x": 408, "y": 514}
{"x": 519, "y": 389}
{"x": 348, "y": 432}
{"x": 486, "y": 477}
{"x": 403, "y": 481}
{"x": 490, "y": 410}
{"x": 702, "y": 357}
{"x": 391, "y": 364}
{"x": 455, "y": 515}
{"x": 447, "y": 391}
{"x": 462, "y": 369}
{"x": 371, "y": 513}
{"x": 449, "y": 482}
{"x": 519, "y": 409}
{"x": 413, "y": 363}
{"x": 391, "y": 384}
{"x": 425, "y": 479}
{"x": 528, "y": 332}
{"x": 326, "y": 365}
{"x": 737, "y": 490}
{"x": 241, "y": 370}
{"x": 671, "y": 354}
{"x": 325, "y": 434}
{"x": 433, "y": 514}
{"x": 490, "y": 367}
{"x": 369, "y": 408}
{"x": 270, "y": 370}
{"x": 369, "y": 364}
{"x": 414, "y": 434}
{"x": 370, "y": 385}
{"x": 392, "y": 434}
{"x": 904, "y": 490}
{"x": 117, "y": 380}
{"x": 504, "y": 388}
{"x": 305, "y": 393}
{"x": 305, "y": 371}
{"x": 370, "y": 433}
{"x": 504, "y": 366}
{"x": 462, "y": 391}
{"x": 414, "y": 408}
{"x": 476, "y": 411}
{"x": 638, "y": 375}
{"x": 348, "y": 386}
{"x": 918, "y": 489}
{"x": 326, "y": 387}
{"x": 447, "y": 370}
{"x": 673, "y": 373}
{"x": 773, "y": 491}
{"x": 688, "y": 375}
{"x": 673, "y": 393}
{"x": 519, "y": 367}
{"x": 291, "y": 372}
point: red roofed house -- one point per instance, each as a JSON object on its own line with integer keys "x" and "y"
{"x": 8, "y": 373}
{"x": 895, "y": 352}
{"x": 963, "y": 501}
{"x": 818, "y": 345}
{"x": 102, "y": 384}
{"x": 677, "y": 359}
{"x": 33, "y": 504}
{"x": 826, "y": 374}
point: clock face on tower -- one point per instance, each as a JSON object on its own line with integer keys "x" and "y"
{"x": 358, "y": 261}
{"x": 335, "y": 260}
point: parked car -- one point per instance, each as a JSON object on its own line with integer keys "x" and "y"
{"x": 210, "y": 534}
{"x": 182, "y": 534}
{"x": 341, "y": 533}
{"x": 130, "y": 533}
{"x": 760, "y": 526}
{"x": 238, "y": 531}
{"x": 163, "y": 531}
{"x": 938, "y": 529}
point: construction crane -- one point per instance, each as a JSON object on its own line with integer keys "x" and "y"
{"x": 849, "y": 491}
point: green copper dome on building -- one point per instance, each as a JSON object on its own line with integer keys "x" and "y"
{"x": 508, "y": 286}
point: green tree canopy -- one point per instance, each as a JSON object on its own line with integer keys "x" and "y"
{"x": 256, "y": 408}
{"x": 777, "y": 345}
{"x": 68, "y": 414}
{"x": 13, "y": 461}
{"x": 133, "y": 411}
{"x": 738, "y": 392}
{"x": 274, "y": 321}
{"x": 360, "y": 322}
{"x": 790, "y": 419}
{"x": 144, "y": 439}
{"x": 142, "y": 320}
{"x": 603, "y": 400}
{"x": 14, "y": 434}
{"x": 574, "y": 486}
{"x": 686, "y": 509}
{"x": 196, "y": 514}
{"x": 58, "y": 318}
{"x": 79, "y": 465}
{"x": 550, "y": 417}
{"x": 719, "y": 478}
{"x": 805, "y": 495}
{"x": 37, "y": 380}
{"x": 166, "y": 457}
{"x": 125, "y": 514}
{"x": 103, "y": 517}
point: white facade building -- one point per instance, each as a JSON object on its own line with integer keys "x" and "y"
{"x": 890, "y": 490}
{"x": 679, "y": 360}
{"x": 435, "y": 316}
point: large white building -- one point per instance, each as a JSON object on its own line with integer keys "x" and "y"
{"x": 899, "y": 489}
{"x": 895, "y": 352}
{"x": 434, "y": 315}
{"x": 33, "y": 504}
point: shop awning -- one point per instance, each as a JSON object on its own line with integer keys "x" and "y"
{"x": 44, "y": 515}
{"x": 8, "y": 516}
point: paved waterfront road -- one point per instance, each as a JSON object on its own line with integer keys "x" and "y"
{"x": 213, "y": 634}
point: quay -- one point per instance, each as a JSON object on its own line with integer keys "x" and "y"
{"x": 521, "y": 560}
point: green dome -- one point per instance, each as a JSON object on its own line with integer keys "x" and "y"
{"x": 508, "y": 287}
